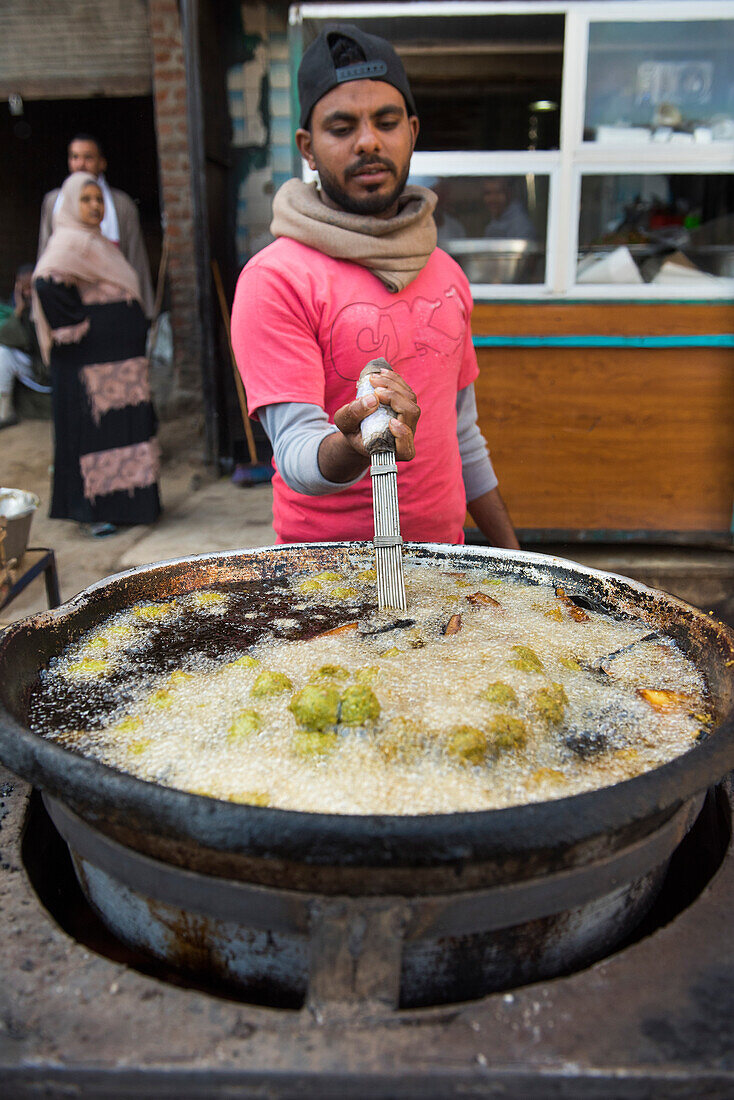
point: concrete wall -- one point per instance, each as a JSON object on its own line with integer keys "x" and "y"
{"x": 169, "y": 93}
{"x": 63, "y": 50}
{"x": 259, "y": 104}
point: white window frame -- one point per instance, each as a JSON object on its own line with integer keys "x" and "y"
{"x": 576, "y": 158}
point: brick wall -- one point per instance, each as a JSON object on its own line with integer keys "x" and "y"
{"x": 169, "y": 92}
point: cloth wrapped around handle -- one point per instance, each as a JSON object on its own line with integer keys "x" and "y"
{"x": 375, "y": 428}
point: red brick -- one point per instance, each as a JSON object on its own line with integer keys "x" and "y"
{"x": 165, "y": 78}
{"x": 169, "y": 82}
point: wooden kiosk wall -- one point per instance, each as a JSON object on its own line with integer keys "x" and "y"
{"x": 619, "y": 423}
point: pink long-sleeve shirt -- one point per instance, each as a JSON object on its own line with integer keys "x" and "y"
{"x": 303, "y": 327}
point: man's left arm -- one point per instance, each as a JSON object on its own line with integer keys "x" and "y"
{"x": 484, "y": 501}
{"x": 133, "y": 248}
{"x": 490, "y": 514}
{"x": 44, "y": 228}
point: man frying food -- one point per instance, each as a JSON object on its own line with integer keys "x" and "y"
{"x": 354, "y": 274}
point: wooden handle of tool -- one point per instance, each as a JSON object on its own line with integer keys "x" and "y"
{"x": 375, "y": 429}
{"x": 237, "y": 379}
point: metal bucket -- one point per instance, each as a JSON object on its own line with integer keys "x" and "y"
{"x": 16, "y": 515}
{"x": 358, "y": 910}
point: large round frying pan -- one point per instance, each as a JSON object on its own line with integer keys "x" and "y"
{"x": 620, "y": 836}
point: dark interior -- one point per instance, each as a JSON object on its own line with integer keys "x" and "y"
{"x": 475, "y": 90}
{"x": 35, "y": 161}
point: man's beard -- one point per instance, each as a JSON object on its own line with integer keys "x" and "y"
{"x": 369, "y": 204}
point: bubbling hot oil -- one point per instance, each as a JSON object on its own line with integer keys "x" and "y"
{"x": 489, "y": 693}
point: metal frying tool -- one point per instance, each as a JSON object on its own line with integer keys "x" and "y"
{"x": 598, "y": 663}
{"x": 380, "y": 445}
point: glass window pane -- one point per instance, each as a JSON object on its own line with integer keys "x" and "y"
{"x": 672, "y": 229}
{"x": 479, "y": 82}
{"x": 493, "y": 226}
{"x": 660, "y": 82}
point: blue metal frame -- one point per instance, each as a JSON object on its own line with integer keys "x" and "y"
{"x": 713, "y": 340}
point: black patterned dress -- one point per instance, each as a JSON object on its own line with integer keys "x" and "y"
{"x": 106, "y": 457}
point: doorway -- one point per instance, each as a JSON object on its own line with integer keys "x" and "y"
{"x": 34, "y": 161}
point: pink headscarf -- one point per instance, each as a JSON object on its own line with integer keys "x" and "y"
{"x": 79, "y": 253}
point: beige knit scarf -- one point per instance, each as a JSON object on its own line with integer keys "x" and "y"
{"x": 394, "y": 249}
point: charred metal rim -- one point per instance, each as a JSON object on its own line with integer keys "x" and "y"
{"x": 106, "y": 796}
{"x": 459, "y": 913}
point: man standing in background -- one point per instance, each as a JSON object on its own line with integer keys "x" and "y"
{"x": 121, "y": 222}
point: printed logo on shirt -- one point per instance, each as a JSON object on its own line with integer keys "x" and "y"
{"x": 405, "y": 330}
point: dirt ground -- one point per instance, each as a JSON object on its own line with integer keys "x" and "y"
{"x": 201, "y": 512}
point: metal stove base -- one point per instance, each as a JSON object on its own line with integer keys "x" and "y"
{"x": 654, "y": 1020}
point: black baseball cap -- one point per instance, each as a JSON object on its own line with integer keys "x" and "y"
{"x": 317, "y": 73}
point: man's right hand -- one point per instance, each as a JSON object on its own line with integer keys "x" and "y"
{"x": 342, "y": 455}
{"x": 390, "y": 389}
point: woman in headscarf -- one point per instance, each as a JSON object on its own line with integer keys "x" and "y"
{"x": 92, "y": 331}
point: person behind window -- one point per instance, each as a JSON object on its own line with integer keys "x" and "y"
{"x": 448, "y": 227}
{"x": 508, "y": 217}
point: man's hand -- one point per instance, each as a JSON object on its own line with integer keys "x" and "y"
{"x": 390, "y": 389}
{"x": 22, "y": 294}
{"x": 342, "y": 455}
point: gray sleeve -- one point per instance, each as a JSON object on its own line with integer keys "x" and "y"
{"x": 476, "y": 466}
{"x": 295, "y": 431}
